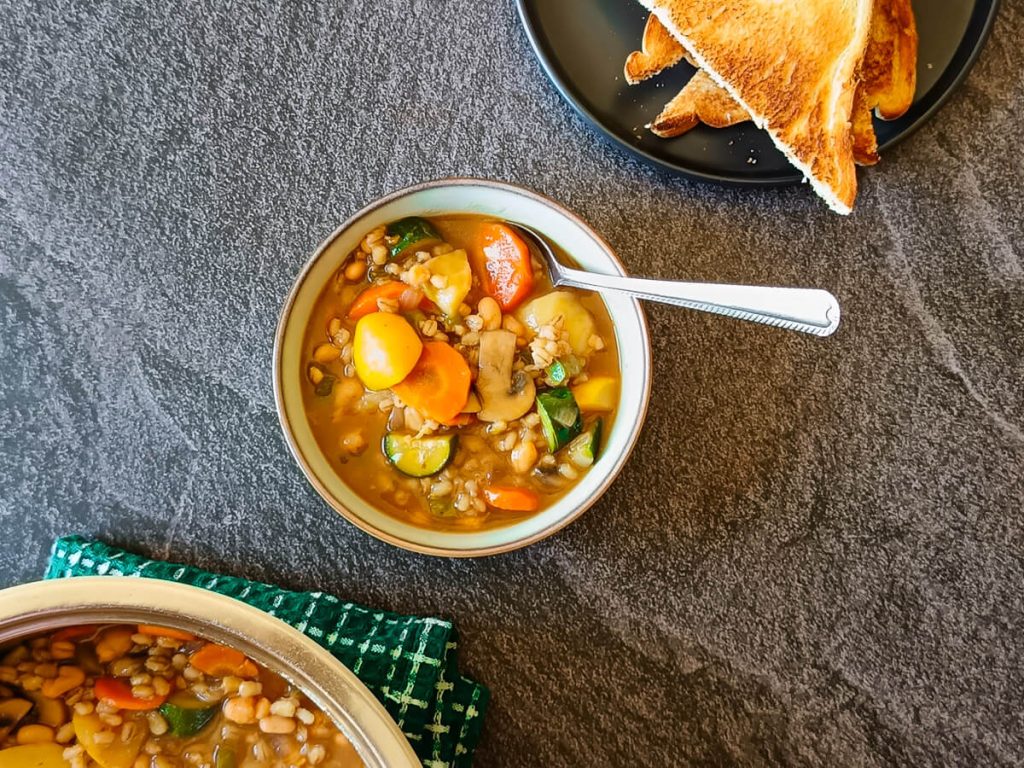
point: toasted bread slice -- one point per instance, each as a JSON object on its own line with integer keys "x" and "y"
{"x": 887, "y": 86}
{"x": 793, "y": 66}
{"x": 865, "y": 142}
{"x": 889, "y": 70}
{"x": 701, "y": 100}
{"x": 888, "y": 74}
{"x": 658, "y": 51}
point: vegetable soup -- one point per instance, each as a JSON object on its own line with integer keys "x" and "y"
{"x": 449, "y": 383}
{"x": 139, "y": 696}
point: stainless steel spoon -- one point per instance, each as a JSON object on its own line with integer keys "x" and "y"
{"x": 808, "y": 310}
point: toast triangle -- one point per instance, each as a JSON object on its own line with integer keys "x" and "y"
{"x": 792, "y": 64}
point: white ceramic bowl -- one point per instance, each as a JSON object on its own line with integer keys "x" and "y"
{"x": 501, "y": 201}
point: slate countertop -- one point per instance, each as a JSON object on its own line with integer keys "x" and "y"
{"x": 814, "y": 556}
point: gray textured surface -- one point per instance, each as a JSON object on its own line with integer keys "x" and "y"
{"x": 815, "y": 555}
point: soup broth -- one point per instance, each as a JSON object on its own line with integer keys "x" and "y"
{"x": 449, "y": 383}
{"x": 140, "y": 696}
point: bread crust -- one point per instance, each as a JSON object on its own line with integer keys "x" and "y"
{"x": 888, "y": 74}
{"x": 658, "y": 51}
{"x": 701, "y": 100}
{"x": 889, "y": 70}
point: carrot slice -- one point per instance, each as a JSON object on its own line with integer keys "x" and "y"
{"x": 438, "y": 386}
{"x": 118, "y": 693}
{"x": 511, "y": 498}
{"x": 158, "y": 631}
{"x": 502, "y": 262}
{"x": 220, "y": 661}
{"x": 366, "y": 302}
{"x": 73, "y": 633}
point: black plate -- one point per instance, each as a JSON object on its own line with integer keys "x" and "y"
{"x": 583, "y": 44}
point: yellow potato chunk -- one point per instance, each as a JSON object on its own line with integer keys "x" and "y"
{"x": 118, "y": 753}
{"x": 385, "y": 349}
{"x": 576, "y": 319}
{"x": 33, "y": 756}
{"x": 450, "y": 281}
{"x": 598, "y": 394}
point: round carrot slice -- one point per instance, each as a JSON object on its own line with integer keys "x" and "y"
{"x": 220, "y": 661}
{"x": 158, "y": 631}
{"x": 503, "y": 264}
{"x": 117, "y": 693}
{"x": 438, "y": 385}
{"x": 511, "y": 498}
{"x": 73, "y": 633}
{"x": 366, "y": 302}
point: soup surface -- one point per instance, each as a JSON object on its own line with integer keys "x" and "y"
{"x": 449, "y": 383}
{"x": 138, "y": 696}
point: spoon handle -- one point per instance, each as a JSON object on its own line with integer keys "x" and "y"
{"x": 808, "y": 310}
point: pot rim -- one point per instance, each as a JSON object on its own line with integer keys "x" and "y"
{"x": 40, "y": 606}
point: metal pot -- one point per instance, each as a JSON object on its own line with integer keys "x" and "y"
{"x": 43, "y": 606}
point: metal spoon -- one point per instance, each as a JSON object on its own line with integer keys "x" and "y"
{"x": 808, "y": 310}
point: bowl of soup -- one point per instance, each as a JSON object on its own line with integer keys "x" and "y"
{"x": 138, "y": 673}
{"x": 434, "y": 386}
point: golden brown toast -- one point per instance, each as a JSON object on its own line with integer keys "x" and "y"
{"x": 658, "y": 51}
{"x": 887, "y": 85}
{"x": 701, "y": 100}
{"x": 888, "y": 82}
{"x": 889, "y": 69}
{"x": 865, "y": 142}
{"x": 793, "y": 66}
{"x": 888, "y": 74}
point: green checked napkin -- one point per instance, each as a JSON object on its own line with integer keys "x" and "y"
{"x": 409, "y": 662}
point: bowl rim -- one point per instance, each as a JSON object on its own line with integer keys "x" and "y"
{"x": 367, "y": 526}
{"x": 40, "y": 606}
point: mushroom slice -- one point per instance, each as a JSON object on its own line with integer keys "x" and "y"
{"x": 504, "y": 395}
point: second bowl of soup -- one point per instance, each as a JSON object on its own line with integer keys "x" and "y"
{"x": 439, "y": 391}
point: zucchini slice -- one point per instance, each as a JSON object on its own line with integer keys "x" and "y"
{"x": 186, "y": 715}
{"x": 560, "y": 417}
{"x": 556, "y": 372}
{"x": 322, "y": 381}
{"x": 442, "y": 507}
{"x": 419, "y": 456}
{"x": 226, "y": 756}
{"x": 584, "y": 450}
{"x": 559, "y": 372}
{"x": 412, "y": 231}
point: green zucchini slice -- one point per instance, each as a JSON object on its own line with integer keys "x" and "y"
{"x": 556, "y": 373}
{"x": 442, "y": 507}
{"x": 584, "y": 450}
{"x": 226, "y": 756}
{"x": 419, "y": 456}
{"x": 560, "y": 417}
{"x": 412, "y": 231}
{"x": 186, "y": 715}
